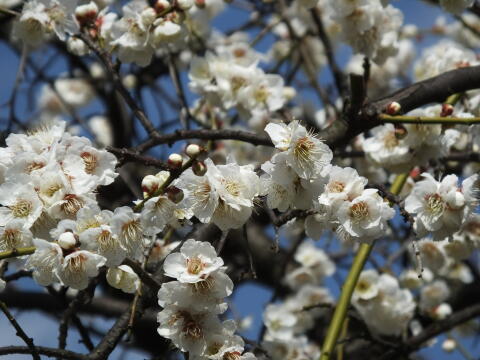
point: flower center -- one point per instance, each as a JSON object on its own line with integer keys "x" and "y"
{"x": 435, "y": 204}
{"x": 10, "y": 238}
{"x": 72, "y": 204}
{"x": 234, "y": 355}
{"x": 76, "y": 264}
{"x": 131, "y": 231}
{"x": 336, "y": 187}
{"x": 303, "y": 148}
{"x": 359, "y": 211}
{"x": 390, "y": 140}
{"x": 90, "y": 161}
{"x": 22, "y": 208}
{"x": 192, "y": 329}
{"x": 105, "y": 240}
{"x": 237, "y": 83}
{"x": 232, "y": 187}
{"x": 261, "y": 94}
{"x": 34, "y": 166}
{"x": 204, "y": 286}
{"x": 194, "y": 266}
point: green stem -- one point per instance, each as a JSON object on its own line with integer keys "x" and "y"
{"x": 17, "y": 252}
{"x": 361, "y": 257}
{"x": 428, "y": 120}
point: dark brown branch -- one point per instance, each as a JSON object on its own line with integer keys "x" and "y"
{"x": 144, "y": 276}
{"x": 337, "y": 73}
{"x": 204, "y": 134}
{"x": 50, "y": 352}
{"x": 125, "y": 155}
{"x": 20, "y": 333}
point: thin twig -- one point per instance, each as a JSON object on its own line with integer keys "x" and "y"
{"x": 20, "y": 333}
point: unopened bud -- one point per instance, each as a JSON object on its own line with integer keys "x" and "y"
{"x": 393, "y": 108}
{"x": 449, "y": 345}
{"x": 76, "y": 46}
{"x": 67, "y": 240}
{"x": 162, "y": 6}
{"x": 150, "y": 184}
{"x": 175, "y": 160}
{"x": 129, "y": 81}
{"x": 184, "y": 4}
{"x": 148, "y": 16}
{"x": 199, "y": 168}
{"x": 193, "y": 150}
{"x": 174, "y": 194}
{"x": 86, "y": 14}
{"x": 200, "y": 3}
{"x": 447, "y": 110}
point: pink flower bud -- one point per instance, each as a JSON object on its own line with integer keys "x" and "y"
{"x": 393, "y": 108}
{"x": 447, "y": 110}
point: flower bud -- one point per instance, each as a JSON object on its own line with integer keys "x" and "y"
{"x": 150, "y": 184}
{"x": 200, "y": 3}
{"x": 148, "y": 16}
{"x": 123, "y": 278}
{"x": 184, "y": 4}
{"x": 175, "y": 160}
{"x": 76, "y": 46}
{"x": 193, "y": 150}
{"x": 199, "y": 168}
{"x": 67, "y": 240}
{"x": 86, "y": 14}
{"x": 162, "y": 6}
{"x": 129, "y": 81}
{"x": 393, "y": 108}
{"x": 289, "y": 92}
{"x": 447, "y": 110}
{"x": 174, "y": 194}
{"x": 449, "y": 345}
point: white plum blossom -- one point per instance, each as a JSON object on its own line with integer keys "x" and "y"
{"x": 383, "y": 305}
{"x": 14, "y": 235}
{"x": 45, "y": 261}
{"x": 206, "y": 295}
{"x": 364, "y": 218}
{"x": 19, "y": 201}
{"x": 194, "y": 263}
{"x": 126, "y": 226}
{"x": 224, "y": 195}
{"x": 78, "y": 267}
{"x": 441, "y": 208}
{"x": 305, "y": 154}
{"x": 42, "y": 17}
{"x": 187, "y": 329}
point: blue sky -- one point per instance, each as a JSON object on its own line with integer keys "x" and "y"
{"x": 249, "y": 299}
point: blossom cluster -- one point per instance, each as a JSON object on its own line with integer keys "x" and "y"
{"x": 47, "y": 192}
{"x": 142, "y": 31}
{"x": 193, "y": 302}
{"x": 300, "y": 176}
